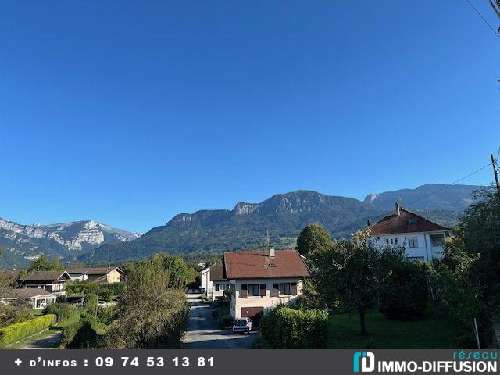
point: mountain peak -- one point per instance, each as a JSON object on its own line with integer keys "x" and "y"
{"x": 22, "y": 242}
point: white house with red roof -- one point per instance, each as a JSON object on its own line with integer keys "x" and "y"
{"x": 422, "y": 239}
{"x": 263, "y": 279}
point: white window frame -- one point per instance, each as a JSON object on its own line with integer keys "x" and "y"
{"x": 413, "y": 242}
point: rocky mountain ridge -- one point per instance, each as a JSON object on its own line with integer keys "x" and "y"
{"x": 283, "y": 216}
{"x": 66, "y": 240}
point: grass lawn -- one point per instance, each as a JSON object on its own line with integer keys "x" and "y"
{"x": 343, "y": 332}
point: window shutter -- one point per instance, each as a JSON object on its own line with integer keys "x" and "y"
{"x": 275, "y": 292}
{"x": 244, "y": 291}
{"x": 294, "y": 289}
{"x": 263, "y": 290}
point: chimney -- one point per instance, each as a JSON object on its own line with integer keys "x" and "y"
{"x": 271, "y": 252}
{"x": 368, "y": 223}
{"x": 398, "y": 209}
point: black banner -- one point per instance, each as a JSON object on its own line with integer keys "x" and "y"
{"x": 242, "y": 362}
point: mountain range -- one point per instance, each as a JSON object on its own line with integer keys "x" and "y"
{"x": 283, "y": 216}
{"x": 22, "y": 243}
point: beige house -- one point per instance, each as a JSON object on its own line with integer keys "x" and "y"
{"x": 262, "y": 280}
{"x": 103, "y": 275}
{"x": 38, "y": 298}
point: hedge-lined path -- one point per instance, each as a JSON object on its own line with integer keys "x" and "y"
{"x": 51, "y": 340}
{"x": 202, "y": 331}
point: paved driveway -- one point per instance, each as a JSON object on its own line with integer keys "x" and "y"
{"x": 50, "y": 341}
{"x": 202, "y": 331}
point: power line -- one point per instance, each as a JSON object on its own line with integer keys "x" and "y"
{"x": 471, "y": 174}
{"x": 495, "y": 32}
{"x": 479, "y": 169}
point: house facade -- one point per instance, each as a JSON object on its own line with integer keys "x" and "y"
{"x": 214, "y": 282}
{"x": 51, "y": 281}
{"x": 421, "y": 238}
{"x": 38, "y": 298}
{"x": 262, "y": 280}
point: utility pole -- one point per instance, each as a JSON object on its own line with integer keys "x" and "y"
{"x": 495, "y": 172}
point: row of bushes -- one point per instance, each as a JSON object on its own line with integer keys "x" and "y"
{"x": 18, "y": 331}
{"x": 63, "y": 311}
{"x": 285, "y": 327}
{"x": 15, "y": 313}
{"x": 105, "y": 292}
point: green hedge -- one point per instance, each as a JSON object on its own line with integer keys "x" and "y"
{"x": 63, "y": 311}
{"x": 69, "y": 332}
{"x": 18, "y": 331}
{"x": 284, "y": 327}
{"x": 105, "y": 292}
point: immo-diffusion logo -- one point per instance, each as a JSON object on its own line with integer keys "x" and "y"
{"x": 363, "y": 362}
{"x": 469, "y": 362}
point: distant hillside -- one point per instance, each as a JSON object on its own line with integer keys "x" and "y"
{"x": 426, "y": 197}
{"x": 283, "y": 215}
{"x": 21, "y": 243}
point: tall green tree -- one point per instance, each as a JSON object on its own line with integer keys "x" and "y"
{"x": 178, "y": 271}
{"x": 471, "y": 267}
{"x": 348, "y": 274}
{"x": 313, "y": 238}
{"x": 150, "y": 313}
{"x": 357, "y": 279}
{"x": 43, "y": 263}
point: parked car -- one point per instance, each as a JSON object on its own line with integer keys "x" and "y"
{"x": 243, "y": 325}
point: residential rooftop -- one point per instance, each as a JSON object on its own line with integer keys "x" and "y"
{"x": 43, "y": 276}
{"x": 258, "y": 264}
{"x": 404, "y": 221}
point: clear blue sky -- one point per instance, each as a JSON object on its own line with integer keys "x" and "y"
{"x": 129, "y": 112}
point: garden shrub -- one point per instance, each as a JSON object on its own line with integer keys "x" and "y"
{"x": 69, "y": 332}
{"x": 105, "y": 292}
{"x": 91, "y": 303}
{"x": 404, "y": 292}
{"x": 17, "y": 331}
{"x": 63, "y": 311}
{"x": 15, "y": 313}
{"x": 85, "y": 337}
{"x": 284, "y": 327}
{"x": 106, "y": 315}
{"x": 461, "y": 303}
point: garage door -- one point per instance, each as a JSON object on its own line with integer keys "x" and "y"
{"x": 254, "y": 313}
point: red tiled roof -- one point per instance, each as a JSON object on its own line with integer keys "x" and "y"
{"x": 258, "y": 264}
{"x": 405, "y": 222}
